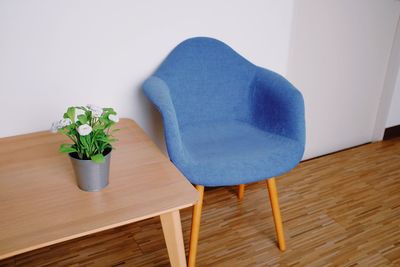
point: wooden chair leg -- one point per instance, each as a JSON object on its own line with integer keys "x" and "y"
{"x": 241, "y": 191}
{"x": 194, "y": 234}
{"x": 273, "y": 197}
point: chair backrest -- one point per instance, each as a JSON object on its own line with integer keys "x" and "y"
{"x": 208, "y": 81}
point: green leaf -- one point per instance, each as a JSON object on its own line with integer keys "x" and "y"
{"x": 104, "y": 139}
{"x": 98, "y": 158}
{"x": 71, "y": 113}
{"x": 85, "y": 143}
{"x": 103, "y": 118}
{"x": 109, "y": 110}
{"x": 82, "y": 118}
{"x": 66, "y": 148}
{"x": 98, "y": 127}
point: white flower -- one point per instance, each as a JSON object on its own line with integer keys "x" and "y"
{"x": 60, "y": 124}
{"x": 65, "y": 122}
{"x": 113, "y": 118}
{"x": 78, "y": 112}
{"x": 96, "y": 111}
{"x": 84, "y": 129}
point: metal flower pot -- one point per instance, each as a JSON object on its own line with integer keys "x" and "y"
{"x": 91, "y": 176}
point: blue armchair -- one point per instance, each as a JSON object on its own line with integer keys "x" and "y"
{"x": 227, "y": 121}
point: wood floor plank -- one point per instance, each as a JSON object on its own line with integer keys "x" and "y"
{"x": 339, "y": 210}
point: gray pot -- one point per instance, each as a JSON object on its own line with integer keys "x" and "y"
{"x": 91, "y": 176}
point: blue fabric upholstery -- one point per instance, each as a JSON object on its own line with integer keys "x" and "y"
{"x": 226, "y": 121}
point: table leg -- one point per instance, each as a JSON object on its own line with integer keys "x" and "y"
{"x": 172, "y": 228}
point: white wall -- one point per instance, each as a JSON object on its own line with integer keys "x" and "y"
{"x": 56, "y": 53}
{"x": 394, "y": 111}
{"x": 338, "y": 58}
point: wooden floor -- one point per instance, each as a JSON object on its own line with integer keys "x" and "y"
{"x": 338, "y": 210}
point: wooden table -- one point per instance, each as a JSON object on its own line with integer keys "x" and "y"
{"x": 40, "y": 203}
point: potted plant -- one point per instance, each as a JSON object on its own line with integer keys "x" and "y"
{"x": 89, "y": 128}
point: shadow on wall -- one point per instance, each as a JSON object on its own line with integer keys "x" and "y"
{"x": 153, "y": 124}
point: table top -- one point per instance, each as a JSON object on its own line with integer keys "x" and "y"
{"x": 41, "y": 203}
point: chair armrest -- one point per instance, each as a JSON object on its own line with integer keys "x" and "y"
{"x": 277, "y": 106}
{"x": 158, "y": 93}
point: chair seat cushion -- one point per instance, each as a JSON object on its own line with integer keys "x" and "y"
{"x": 231, "y": 153}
